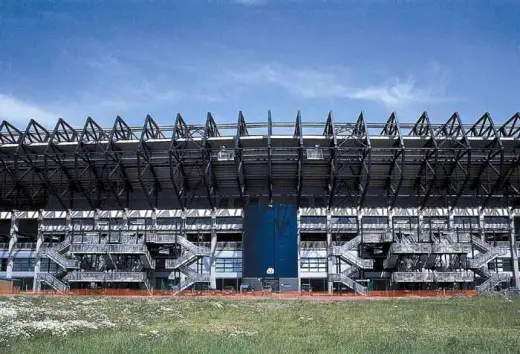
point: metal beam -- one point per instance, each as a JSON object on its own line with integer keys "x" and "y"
{"x": 298, "y": 133}
{"x": 63, "y": 133}
{"x": 453, "y": 132}
{"x": 330, "y": 132}
{"x": 9, "y": 134}
{"x": 241, "y": 182}
{"x": 510, "y": 129}
{"x": 429, "y": 165}
{"x": 116, "y": 172}
{"x": 365, "y": 164}
{"x": 145, "y": 166}
{"x": 35, "y": 133}
{"x": 393, "y": 129}
{"x": 484, "y": 127}
{"x": 176, "y": 160}
{"x": 93, "y": 136}
{"x": 210, "y": 130}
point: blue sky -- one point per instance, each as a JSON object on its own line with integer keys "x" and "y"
{"x": 104, "y": 58}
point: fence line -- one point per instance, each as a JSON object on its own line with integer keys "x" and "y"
{"x": 286, "y": 294}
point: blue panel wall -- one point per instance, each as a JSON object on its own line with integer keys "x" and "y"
{"x": 270, "y": 241}
{"x": 286, "y": 241}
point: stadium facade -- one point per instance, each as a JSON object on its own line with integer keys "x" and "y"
{"x": 333, "y": 204}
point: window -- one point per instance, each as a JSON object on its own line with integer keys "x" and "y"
{"x": 198, "y": 221}
{"x": 496, "y": 220}
{"x": 54, "y": 222}
{"x": 24, "y": 264}
{"x": 79, "y": 222}
{"x": 405, "y": 222}
{"x": 314, "y": 153}
{"x": 229, "y": 220}
{"x": 47, "y": 265}
{"x": 343, "y": 220}
{"x": 169, "y": 221}
{"x": 501, "y": 264}
{"x": 225, "y": 155}
{"x": 313, "y": 220}
{"x": 313, "y": 264}
{"x": 228, "y": 265}
{"x": 466, "y": 222}
{"x": 381, "y": 220}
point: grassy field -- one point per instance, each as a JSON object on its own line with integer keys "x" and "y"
{"x": 118, "y": 325}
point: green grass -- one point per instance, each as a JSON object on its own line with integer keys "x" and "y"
{"x": 490, "y": 325}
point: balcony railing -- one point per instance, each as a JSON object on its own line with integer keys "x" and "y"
{"x": 106, "y": 277}
{"x": 313, "y": 245}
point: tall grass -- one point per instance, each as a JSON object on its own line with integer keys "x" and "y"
{"x": 490, "y": 325}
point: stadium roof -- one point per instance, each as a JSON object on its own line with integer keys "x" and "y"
{"x": 325, "y": 164}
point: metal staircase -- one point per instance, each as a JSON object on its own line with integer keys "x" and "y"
{"x": 351, "y": 283}
{"x": 492, "y": 281}
{"x": 487, "y": 253}
{"x": 479, "y": 264}
{"x": 191, "y": 253}
{"x": 344, "y": 252}
{"x": 349, "y": 245}
{"x": 55, "y": 254}
{"x": 191, "y": 277}
{"x": 53, "y": 282}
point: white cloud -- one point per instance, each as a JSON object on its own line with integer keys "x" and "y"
{"x": 337, "y": 82}
{"x": 18, "y": 112}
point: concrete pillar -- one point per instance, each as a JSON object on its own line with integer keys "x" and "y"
{"x": 13, "y": 238}
{"x": 182, "y": 276}
{"x": 213, "y": 250}
{"x": 330, "y": 256}
{"x": 390, "y": 214}
{"x": 39, "y": 244}
{"x": 481, "y": 227}
{"x": 420, "y": 218}
{"x": 514, "y": 250}
{"x": 69, "y": 230}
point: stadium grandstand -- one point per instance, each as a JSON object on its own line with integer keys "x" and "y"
{"x": 331, "y": 205}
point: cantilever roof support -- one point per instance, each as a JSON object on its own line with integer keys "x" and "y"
{"x": 484, "y": 127}
{"x": 35, "y": 133}
{"x": 430, "y": 163}
{"x": 177, "y": 169}
{"x": 144, "y": 161}
{"x": 93, "y": 133}
{"x": 63, "y": 132}
{"x": 330, "y": 131}
{"x": 510, "y": 129}
{"x": 393, "y": 129}
{"x": 210, "y": 130}
{"x": 455, "y": 129}
{"x": 241, "y": 131}
{"x": 9, "y": 134}
{"x": 120, "y": 132}
{"x": 298, "y": 133}
{"x": 363, "y": 179}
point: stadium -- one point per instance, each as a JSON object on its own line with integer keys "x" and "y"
{"x": 329, "y": 205}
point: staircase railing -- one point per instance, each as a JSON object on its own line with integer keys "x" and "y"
{"x": 349, "y": 245}
{"x": 480, "y": 245}
{"x": 60, "y": 259}
{"x": 53, "y": 282}
{"x": 349, "y": 282}
{"x": 491, "y": 282}
{"x": 484, "y": 258}
{"x": 175, "y": 263}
